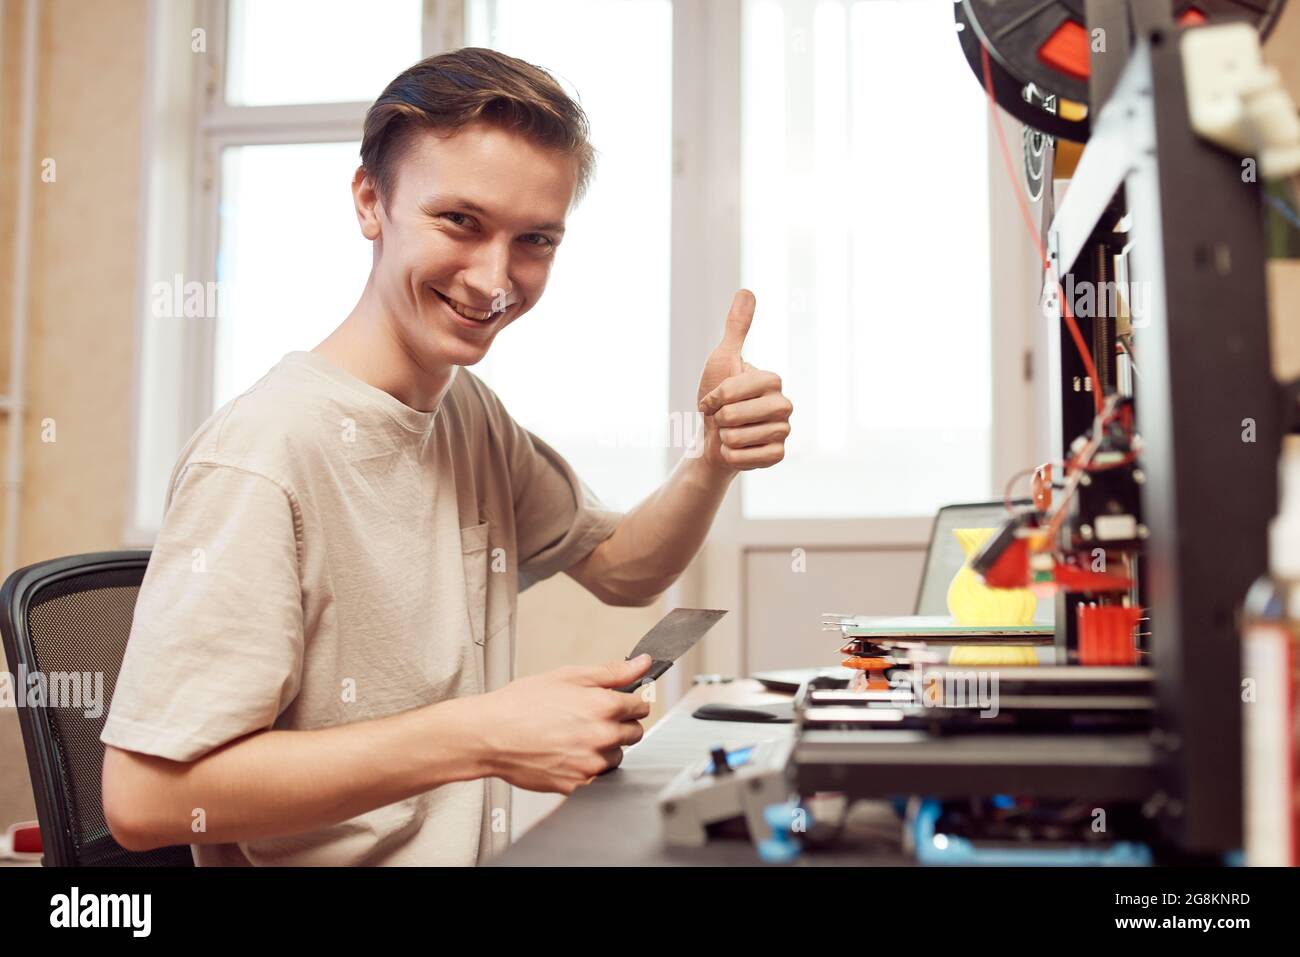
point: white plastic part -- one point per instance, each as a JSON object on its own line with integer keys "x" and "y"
{"x": 7, "y": 852}
{"x": 1115, "y": 528}
{"x": 1237, "y": 101}
{"x": 1284, "y": 531}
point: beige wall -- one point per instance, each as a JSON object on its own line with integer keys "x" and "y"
{"x": 80, "y": 356}
{"x": 81, "y": 343}
{"x": 83, "y": 266}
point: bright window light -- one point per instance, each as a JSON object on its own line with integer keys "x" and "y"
{"x": 317, "y": 51}
{"x": 291, "y": 262}
{"x": 587, "y": 368}
{"x": 865, "y": 228}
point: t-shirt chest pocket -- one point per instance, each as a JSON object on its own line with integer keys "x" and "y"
{"x": 475, "y": 556}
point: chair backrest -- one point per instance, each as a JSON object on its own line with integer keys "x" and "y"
{"x": 944, "y": 556}
{"x": 67, "y": 621}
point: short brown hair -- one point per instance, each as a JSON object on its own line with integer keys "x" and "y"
{"x": 447, "y": 92}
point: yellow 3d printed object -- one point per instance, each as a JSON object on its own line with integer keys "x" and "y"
{"x": 971, "y": 602}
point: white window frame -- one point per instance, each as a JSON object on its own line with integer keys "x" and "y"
{"x": 187, "y": 119}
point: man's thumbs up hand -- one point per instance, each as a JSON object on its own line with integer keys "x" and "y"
{"x": 739, "y": 318}
{"x": 746, "y": 417}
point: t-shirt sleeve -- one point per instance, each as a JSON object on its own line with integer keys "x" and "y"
{"x": 558, "y": 519}
{"x": 216, "y": 644}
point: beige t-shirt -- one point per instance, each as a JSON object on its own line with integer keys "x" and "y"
{"x": 330, "y": 555}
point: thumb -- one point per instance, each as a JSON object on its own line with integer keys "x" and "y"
{"x": 616, "y": 674}
{"x": 739, "y": 318}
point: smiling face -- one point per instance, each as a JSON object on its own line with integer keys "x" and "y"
{"x": 465, "y": 242}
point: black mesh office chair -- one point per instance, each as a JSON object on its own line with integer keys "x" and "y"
{"x": 74, "y": 615}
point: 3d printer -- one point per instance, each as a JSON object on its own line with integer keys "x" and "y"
{"x": 1152, "y": 524}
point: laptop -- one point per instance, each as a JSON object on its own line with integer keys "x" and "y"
{"x": 943, "y": 558}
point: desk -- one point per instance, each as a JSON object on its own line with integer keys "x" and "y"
{"x": 615, "y": 819}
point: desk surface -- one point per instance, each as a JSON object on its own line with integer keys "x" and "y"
{"x": 615, "y": 819}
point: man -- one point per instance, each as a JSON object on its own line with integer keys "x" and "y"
{"x": 319, "y": 667}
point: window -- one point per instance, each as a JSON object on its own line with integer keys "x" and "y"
{"x": 283, "y": 139}
{"x": 287, "y": 51}
{"x": 587, "y": 369}
{"x": 865, "y": 238}
{"x": 848, "y": 115}
{"x": 291, "y": 262}
{"x": 276, "y": 142}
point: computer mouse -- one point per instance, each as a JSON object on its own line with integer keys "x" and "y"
{"x": 782, "y": 713}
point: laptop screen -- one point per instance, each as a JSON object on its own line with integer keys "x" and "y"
{"x": 945, "y": 556}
